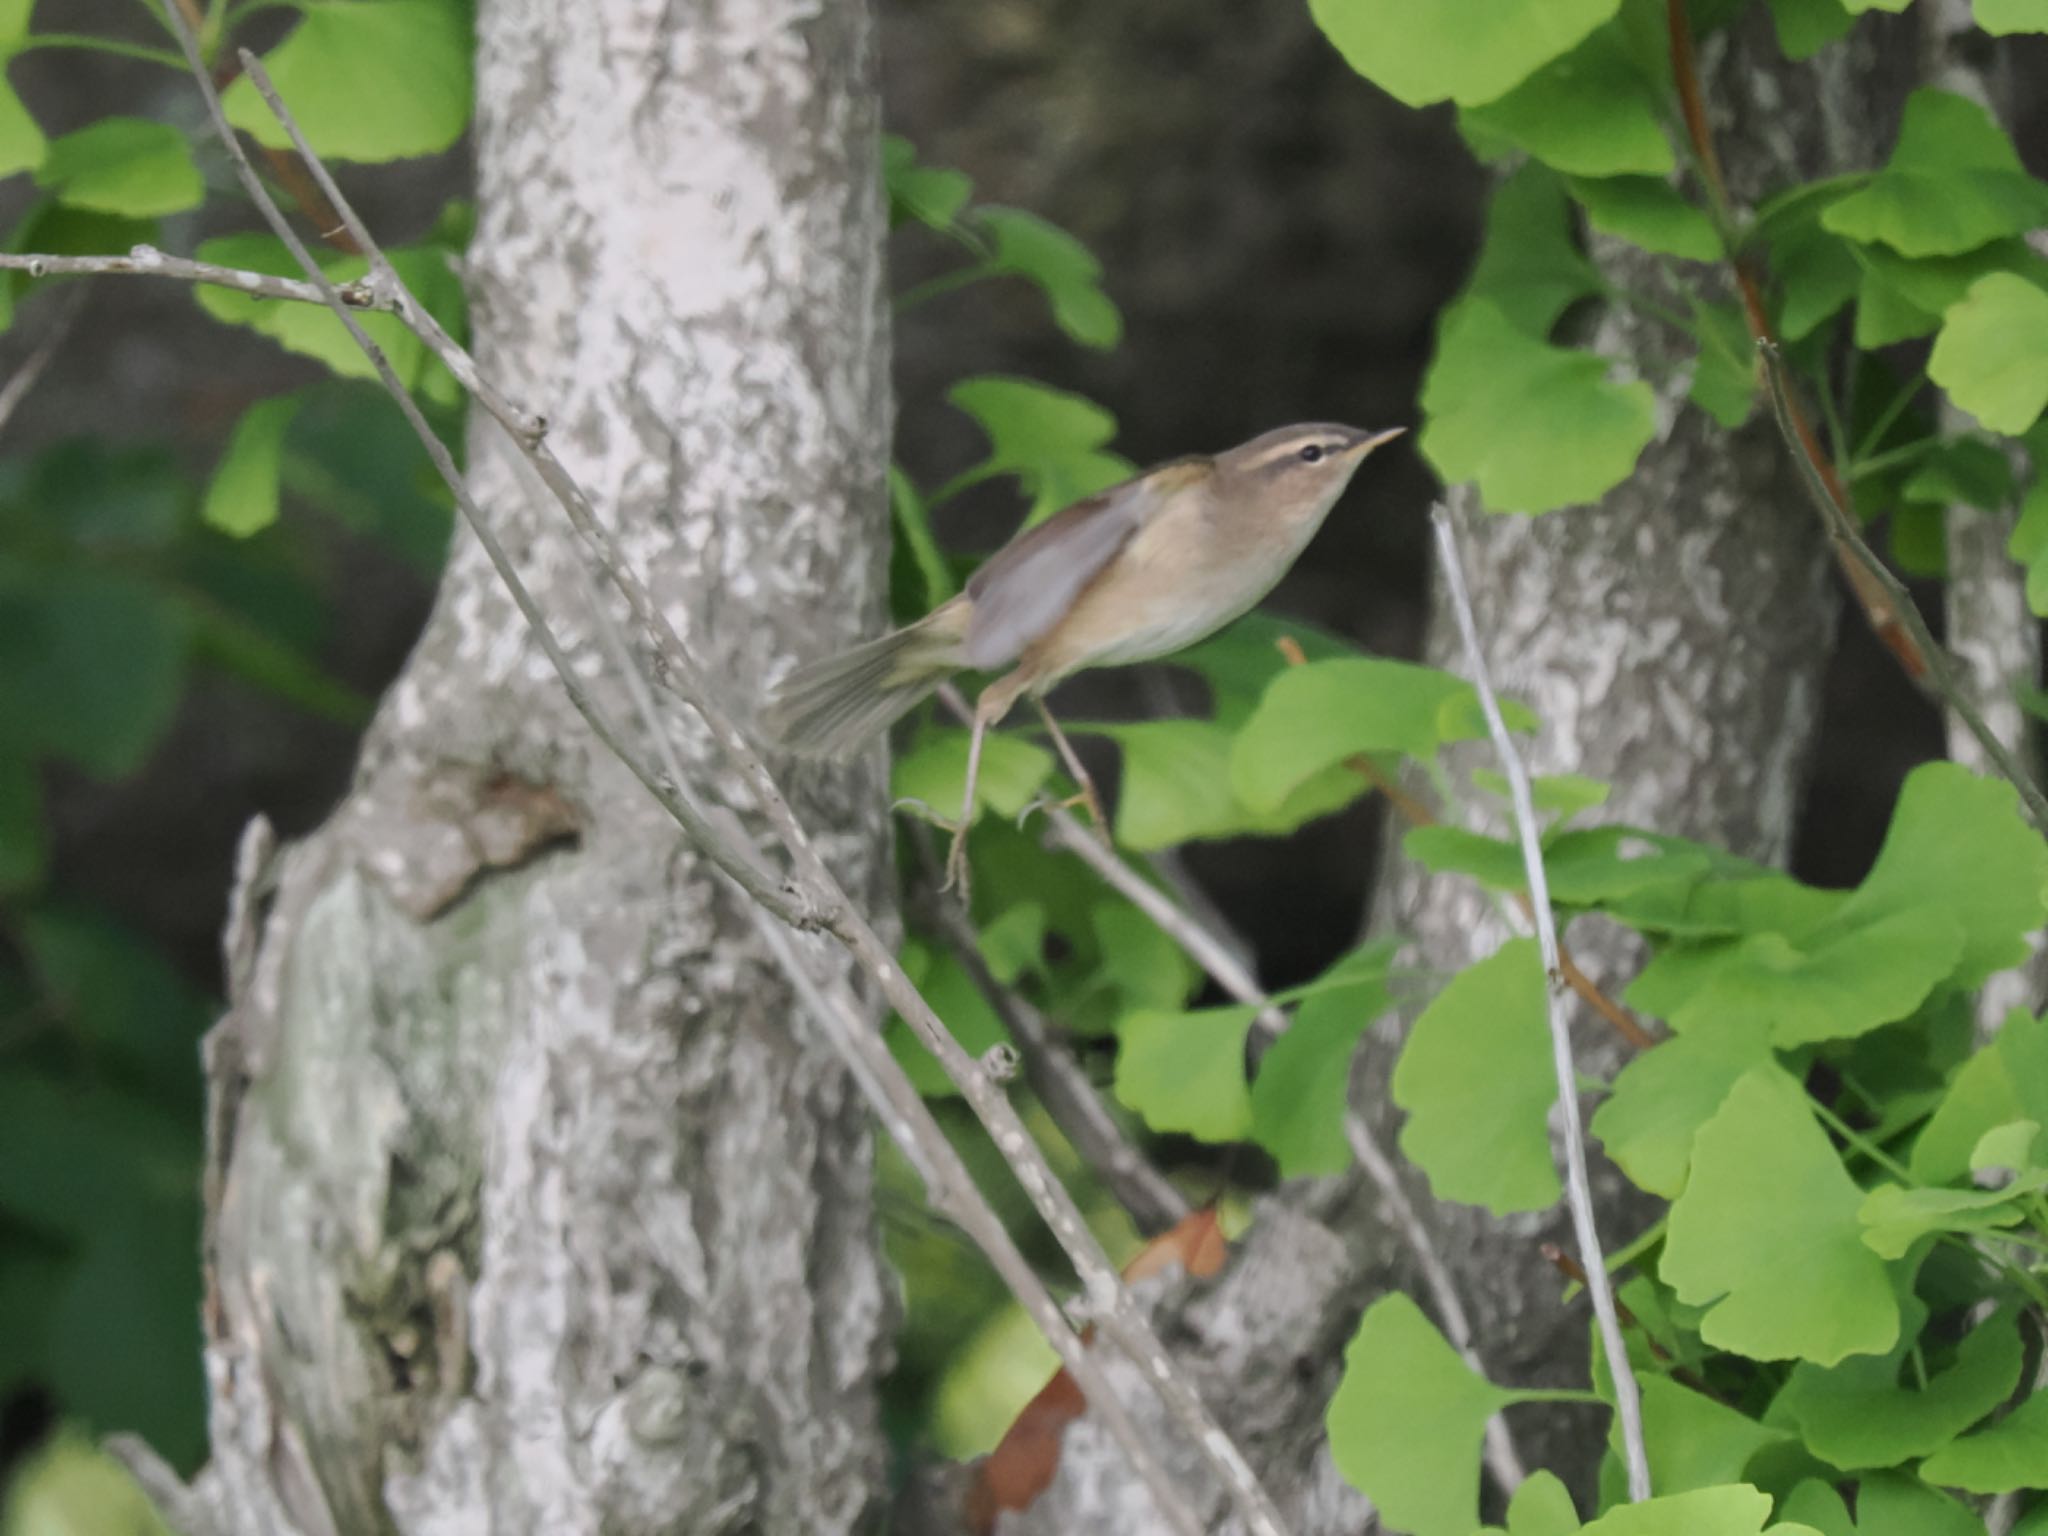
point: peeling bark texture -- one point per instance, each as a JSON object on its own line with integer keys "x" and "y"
{"x": 1994, "y": 637}
{"x": 1673, "y": 640}
{"x": 535, "y": 1203}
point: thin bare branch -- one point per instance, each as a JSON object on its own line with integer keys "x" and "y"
{"x": 1578, "y": 1184}
{"x": 148, "y": 261}
{"x": 812, "y": 896}
{"x": 23, "y": 379}
{"x": 1063, "y": 1088}
{"x": 1941, "y": 667}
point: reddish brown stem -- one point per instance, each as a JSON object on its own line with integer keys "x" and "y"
{"x": 1575, "y": 1272}
{"x": 1416, "y": 814}
{"x": 1877, "y": 605}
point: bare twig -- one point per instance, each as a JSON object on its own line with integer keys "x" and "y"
{"x": 148, "y": 261}
{"x": 1063, "y": 1088}
{"x": 24, "y": 378}
{"x": 1880, "y": 607}
{"x": 1578, "y": 1184}
{"x": 811, "y": 896}
{"x": 1940, "y": 667}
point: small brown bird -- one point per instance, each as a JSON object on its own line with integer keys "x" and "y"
{"x": 1138, "y": 571}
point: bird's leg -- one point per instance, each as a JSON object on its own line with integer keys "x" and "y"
{"x": 1072, "y": 759}
{"x": 989, "y": 710}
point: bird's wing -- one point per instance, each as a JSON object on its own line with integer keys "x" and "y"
{"x": 1029, "y": 584}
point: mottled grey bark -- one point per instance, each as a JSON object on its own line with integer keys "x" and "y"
{"x": 1673, "y": 640}
{"x": 535, "y": 1204}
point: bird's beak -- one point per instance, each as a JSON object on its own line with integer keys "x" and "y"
{"x": 1374, "y": 440}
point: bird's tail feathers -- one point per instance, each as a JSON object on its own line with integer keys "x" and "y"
{"x": 830, "y": 708}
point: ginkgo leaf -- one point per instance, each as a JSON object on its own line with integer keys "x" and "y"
{"x": 1725, "y": 1248}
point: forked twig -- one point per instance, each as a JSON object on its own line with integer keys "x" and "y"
{"x": 1578, "y": 1184}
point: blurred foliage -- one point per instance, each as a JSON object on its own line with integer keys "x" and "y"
{"x": 126, "y": 582}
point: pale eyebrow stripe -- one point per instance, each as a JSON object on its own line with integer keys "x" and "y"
{"x": 1286, "y": 451}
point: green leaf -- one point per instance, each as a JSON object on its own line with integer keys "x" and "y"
{"x": 2005, "y": 1081}
{"x": 1958, "y": 848}
{"x": 312, "y": 331}
{"x": 1589, "y": 867}
{"x": 1177, "y": 787}
{"x": 123, "y": 165}
{"x": 2029, "y": 542}
{"x": 1063, "y": 269}
{"x": 1530, "y": 266}
{"x": 1807, "y": 26}
{"x": 2011, "y": 1146}
{"x": 1953, "y": 182}
{"x": 1856, "y": 1415}
{"x": 2009, "y": 1455}
{"x": 1407, "y": 1419}
{"x": 1724, "y": 373}
{"x": 1844, "y": 981}
{"x": 367, "y": 80}
{"x": 1817, "y": 272}
{"x": 1693, "y": 1441}
{"x": 1317, "y": 715}
{"x": 241, "y": 499}
{"x": 934, "y": 772}
{"x": 961, "y": 1007}
{"x": 1895, "y": 1218}
{"x": 930, "y": 195}
{"x": 1662, "y": 1097}
{"x": 1050, "y": 440}
{"x": 92, "y": 664}
{"x": 1589, "y": 112}
{"x": 1467, "y": 51}
{"x": 22, "y": 145}
{"x": 1725, "y": 1247}
{"x": 1145, "y": 967}
{"x": 912, "y": 521}
{"x": 1475, "y": 1078}
{"x": 1563, "y": 795}
{"x": 1242, "y": 660}
{"x": 1649, "y": 212}
{"x": 1542, "y": 1507}
{"x": 1899, "y": 1504}
{"x": 1965, "y": 472}
{"x": 1730, "y": 1510}
{"x": 1185, "y": 1071}
{"x": 1301, "y": 1095}
{"x": 2002, "y": 18}
{"x": 1816, "y": 1505}
{"x": 1535, "y": 426}
{"x": 1992, "y": 354}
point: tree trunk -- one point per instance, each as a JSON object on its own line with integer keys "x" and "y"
{"x": 535, "y": 1204}
{"x": 1673, "y": 639}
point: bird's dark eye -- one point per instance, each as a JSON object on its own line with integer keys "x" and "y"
{"x": 1312, "y": 454}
